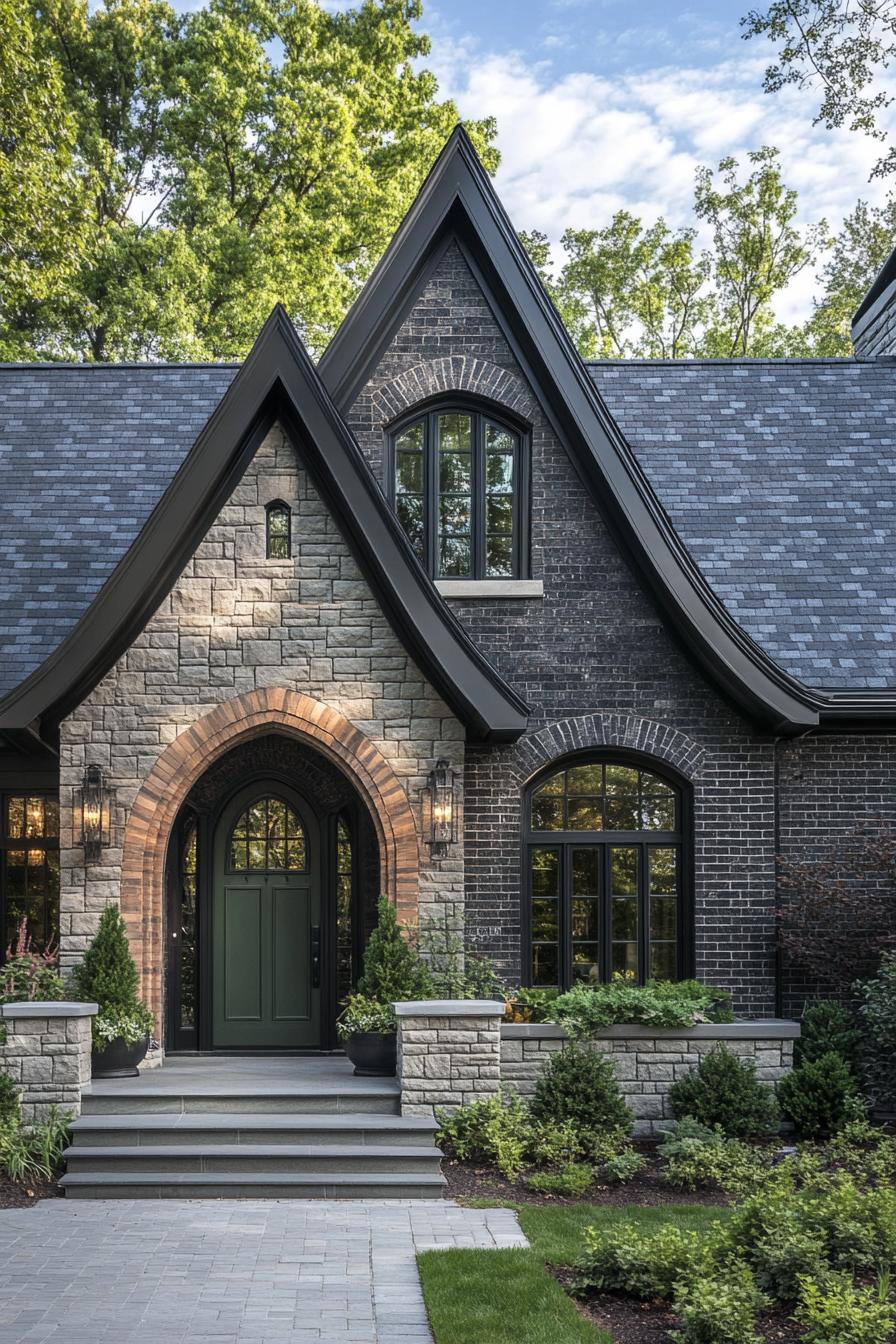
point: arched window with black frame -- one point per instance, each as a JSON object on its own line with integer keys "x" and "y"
{"x": 607, "y": 864}
{"x": 457, "y": 479}
{"x": 278, "y": 530}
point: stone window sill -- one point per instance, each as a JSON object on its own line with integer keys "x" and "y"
{"x": 492, "y": 588}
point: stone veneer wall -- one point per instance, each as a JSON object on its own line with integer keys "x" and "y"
{"x": 45, "y": 1048}
{"x": 592, "y": 658}
{"x": 237, "y": 622}
{"x": 648, "y": 1060}
{"x": 449, "y": 1052}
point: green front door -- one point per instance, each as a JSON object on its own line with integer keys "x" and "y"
{"x": 266, "y": 924}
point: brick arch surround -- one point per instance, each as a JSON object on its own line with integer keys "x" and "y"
{"x": 607, "y": 730}
{"x": 453, "y": 373}
{"x": 186, "y": 758}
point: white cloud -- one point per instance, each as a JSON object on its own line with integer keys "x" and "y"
{"x": 575, "y": 147}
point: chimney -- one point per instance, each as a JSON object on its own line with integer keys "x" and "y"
{"x": 874, "y": 323}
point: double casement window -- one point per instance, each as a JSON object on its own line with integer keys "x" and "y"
{"x": 605, "y": 879}
{"x": 29, "y": 868}
{"x": 457, "y": 482}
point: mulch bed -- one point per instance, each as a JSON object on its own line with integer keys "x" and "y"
{"x": 22, "y": 1194}
{"x": 630, "y": 1321}
{"x": 468, "y": 1181}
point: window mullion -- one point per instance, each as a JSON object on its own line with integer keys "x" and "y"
{"x": 477, "y": 501}
{"x": 431, "y": 488}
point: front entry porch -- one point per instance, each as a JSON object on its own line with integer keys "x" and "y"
{"x": 223, "y": 1126}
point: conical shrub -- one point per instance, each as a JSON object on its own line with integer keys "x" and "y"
{"x": 393, "y": 970}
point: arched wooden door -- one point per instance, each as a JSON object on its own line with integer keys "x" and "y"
{"x": 266, "y": 954}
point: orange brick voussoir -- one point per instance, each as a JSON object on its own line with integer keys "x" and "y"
{"x": 184, "y": 760}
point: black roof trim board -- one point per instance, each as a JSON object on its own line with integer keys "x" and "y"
{"x": 882, "y": 281}
{"x": 458, "y": 201}
{"x": 277, "y": 382}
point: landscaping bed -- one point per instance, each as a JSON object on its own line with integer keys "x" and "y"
{"x": 22, "y": 1194}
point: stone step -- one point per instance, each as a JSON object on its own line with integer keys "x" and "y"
{"x": 258, "y": 1185}
{"x": 379, "y": 1097}
{"x": 248, "y": 1127}
{"x": 248, "y": 1159}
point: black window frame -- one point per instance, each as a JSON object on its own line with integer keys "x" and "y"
{"x": 45, "y": 844}
{"x": 277, "y": 506}
{"x": 682, "y": 838}
{"x": 481, "y": 412}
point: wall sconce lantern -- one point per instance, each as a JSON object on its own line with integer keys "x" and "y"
{"x": 439, "y": 793}
{"x": 96, "y": 812}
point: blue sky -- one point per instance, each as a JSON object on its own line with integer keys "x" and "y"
{"x": 603, "y": 104}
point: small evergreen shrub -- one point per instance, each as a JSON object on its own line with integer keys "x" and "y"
{"x": 719, "y": 1310}
{"x": 10, "y": 1102}
{"x": 877, "y": 1014}
{"x": 819, "y": 1095}
{"x": 835, "y": 1310}
{"x": 108, "y": 977}
{"x": 693, "y": 1155}
{"x": 393, "y": 971}
{"x": 572, "y": 1179}
{"x": 826, "y": 1026}
{"x": 579, "y": 1086}
{"x": 723, "y": 1090}
{"x": 624, "y": 1259}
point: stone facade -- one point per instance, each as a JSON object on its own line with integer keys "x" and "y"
{"x": 45, "y": 1049}
{"x": 449, "y": 1053}
{"x": 239, "y": 637}
{"x": 647, "y": 1060}
{"x": 594, "y": 661}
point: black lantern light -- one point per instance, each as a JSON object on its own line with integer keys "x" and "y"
{"x": 96, "y": 811}
{"x": 439, "y": 794}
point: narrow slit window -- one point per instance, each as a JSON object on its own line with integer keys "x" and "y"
{"x": 279, "y": 531}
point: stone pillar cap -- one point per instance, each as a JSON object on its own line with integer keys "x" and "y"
{"x": 55, "y": 1008}
{"x": 450, "y": 1008}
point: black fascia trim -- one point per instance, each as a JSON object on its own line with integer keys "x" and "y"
{"x": 277, "y": 382}
{"x": 885, "y": 276}
{"x": 458, "y": 201}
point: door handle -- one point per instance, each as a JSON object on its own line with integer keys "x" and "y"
{"x": 315, "y": 956}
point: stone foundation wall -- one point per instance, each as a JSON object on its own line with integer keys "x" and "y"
{"x": 47, "y": 1053}
{"x": 648, "y": 1060}
{"x": 449, "y": 1052}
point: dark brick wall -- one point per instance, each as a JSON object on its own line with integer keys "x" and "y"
{"x": 596, "y": 664}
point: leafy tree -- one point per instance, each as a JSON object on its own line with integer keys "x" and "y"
{"x": 858, "y": 252}
{"x": 757, "y": 250}
{"x": 248, "y": 152}
{"x": 843, "y": 48}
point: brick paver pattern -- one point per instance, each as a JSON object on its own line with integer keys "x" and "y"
{"x": 228, "y": 1271}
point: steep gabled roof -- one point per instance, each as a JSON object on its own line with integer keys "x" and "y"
{"x": 277, "y": 382}
{"x": 458, "y": 201}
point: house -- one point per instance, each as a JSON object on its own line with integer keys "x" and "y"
{"x": 565, "y": 654}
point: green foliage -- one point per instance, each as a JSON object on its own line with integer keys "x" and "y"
{"x": 646, "y": 1264}
{"x": 10, "y": 1101}
{"x": 280, "y": 141}
{"x": 767, "y": 1231}
{"x": 859, "y": 251}
{"x": 834, "y": 1310}
{"x": 587, "y": 1009}
{"x": 363, "y": 1014}
{"x": 877, "y": 1013}
{"x": 453, "y": 973}
{"x": 623, "y": 1166}
{"x": 393, "y": 971}
{"x": 29, "y": 1151}
{"x": 827, "y": 1026}
{"x": 496, "y": 1129}
{"x": 533, "y": 1005}
{"x": 724, "y": 1090}
{"x": 719, "y": 1309}
{"x": 108, "y": 977}
{"x": 695, "y": 1155}
{"x": 579, "y": 1085}
{"x": 572, "y": 1179}
{"x": 817, "y": 1096}
{"x": 27, "y": 974}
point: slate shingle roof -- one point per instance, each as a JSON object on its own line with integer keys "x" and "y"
{"x": 85, "y": 454}
{"x": 780, "y": 477}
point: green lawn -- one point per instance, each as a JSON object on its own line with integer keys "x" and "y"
{"x": 509, "y": 1297}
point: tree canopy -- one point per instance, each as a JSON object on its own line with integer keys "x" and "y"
{"x": 166, "y": 179}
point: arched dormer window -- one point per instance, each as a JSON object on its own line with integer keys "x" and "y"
{"x": 278, "y": 531}
{"x": 456, "y": 481}
{"x": 607, "y": 857}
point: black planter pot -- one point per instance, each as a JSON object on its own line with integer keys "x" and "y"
{"x": 119, "y": 1059}
{"x": 373, "y": 1053}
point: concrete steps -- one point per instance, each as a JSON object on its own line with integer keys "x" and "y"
{"x": 207, "y": 1133}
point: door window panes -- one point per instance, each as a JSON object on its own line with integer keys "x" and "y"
{"x": 268, "y": 837}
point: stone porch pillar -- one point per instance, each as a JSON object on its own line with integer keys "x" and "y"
{"x": 45, "y": 1047}
{"x": 449, "y": 1052}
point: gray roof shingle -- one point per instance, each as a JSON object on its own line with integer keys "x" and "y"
{"x": 780, "y": 477}
{"x": 86, "y": 451}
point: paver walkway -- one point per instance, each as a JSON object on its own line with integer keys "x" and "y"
{"x": 228, "y": 1271}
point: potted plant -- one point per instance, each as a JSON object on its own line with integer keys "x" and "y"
{"x": 108, "y": 977}
{"x": 393, "y": 972}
